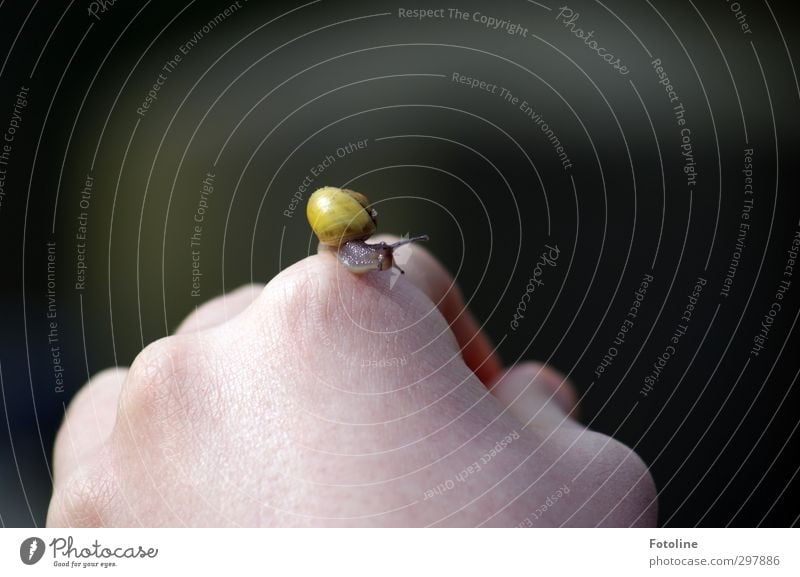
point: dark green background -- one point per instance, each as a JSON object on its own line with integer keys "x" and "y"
{"x": 282, "y": 96}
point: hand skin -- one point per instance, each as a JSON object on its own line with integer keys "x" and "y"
{"x": 333, "y": 399}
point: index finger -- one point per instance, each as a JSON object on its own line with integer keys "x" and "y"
{"x": 430, "y": 276}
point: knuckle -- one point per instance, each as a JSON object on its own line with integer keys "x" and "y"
{"x": 624, "y": 484}
{"x": 250, "y": 290}
{"x": 159, "y": 361}
{"x": 220, "y": 310}
{"x": 173, "y": 383}
{"x": 83, "y": 500}
{"x": 155, "y": 377}
{"x": 102, "y": 384}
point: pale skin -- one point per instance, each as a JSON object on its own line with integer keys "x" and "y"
{"x": 333, "y": 399}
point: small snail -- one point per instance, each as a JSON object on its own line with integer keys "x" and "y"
{"x": 343, "y": 220}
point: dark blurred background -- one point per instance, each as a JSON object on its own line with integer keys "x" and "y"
{"x": 263, "y": 92}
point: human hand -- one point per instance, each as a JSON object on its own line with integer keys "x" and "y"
{"x": 329, "y": 398}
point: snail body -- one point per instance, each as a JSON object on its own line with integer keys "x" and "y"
{"x": 343, "y": 220}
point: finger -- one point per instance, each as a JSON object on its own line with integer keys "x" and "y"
{"x": 88, "y": 422}
{"x": 434, "y": 280}
{"x": 220, "y": 309}
{"x": 537, "y": 396}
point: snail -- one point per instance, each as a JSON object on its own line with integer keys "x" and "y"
{"x": 343, "y": 220}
